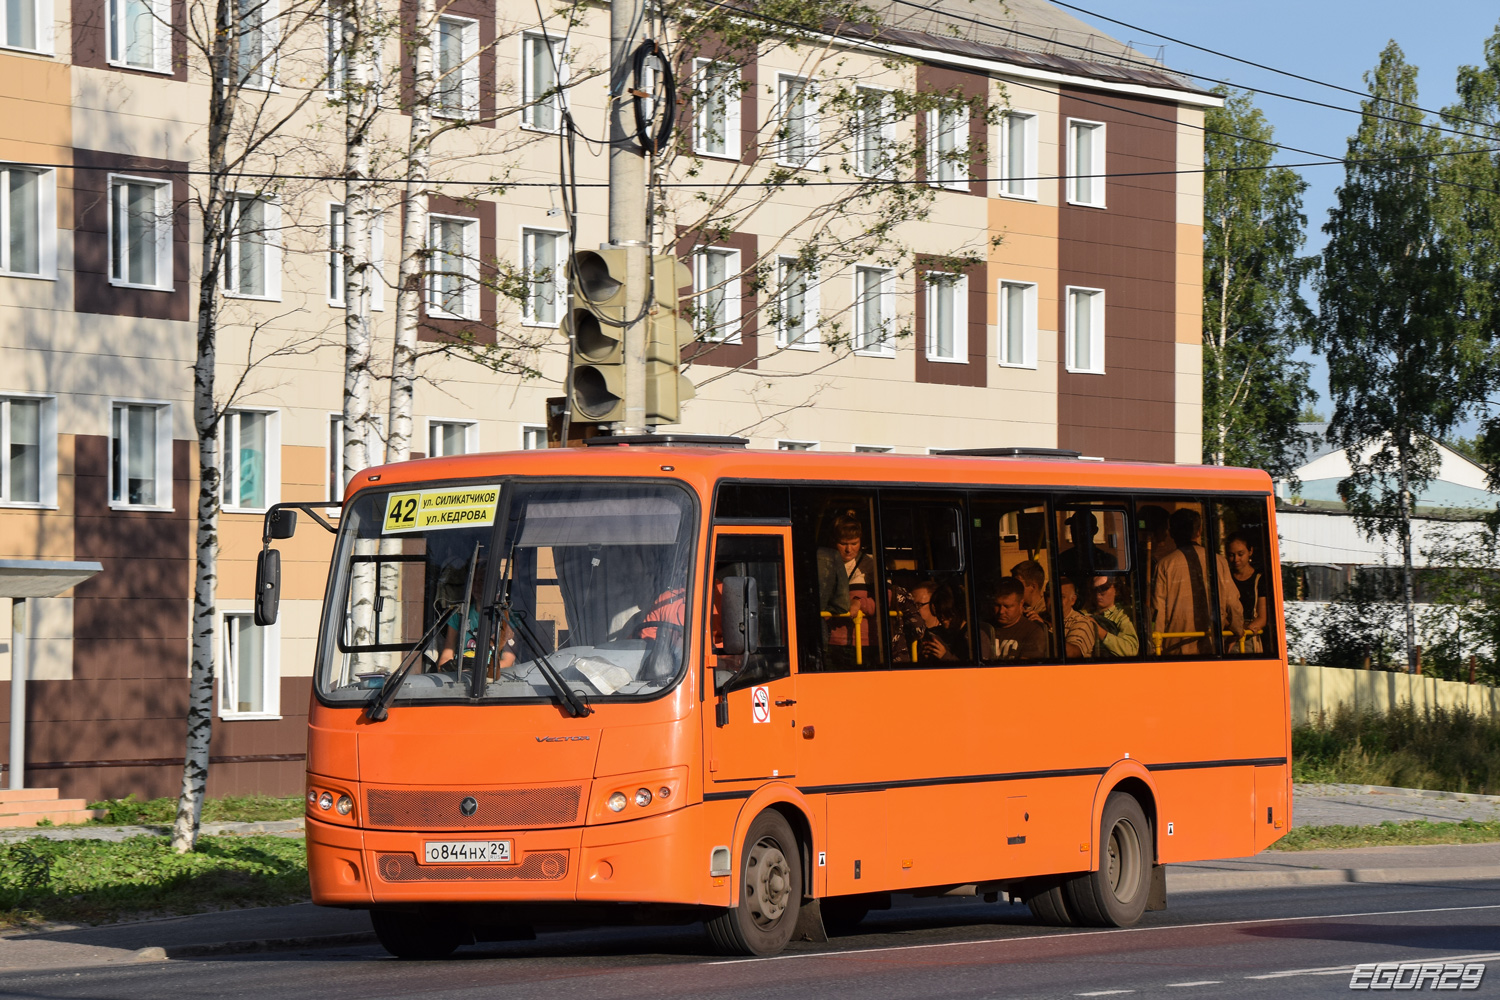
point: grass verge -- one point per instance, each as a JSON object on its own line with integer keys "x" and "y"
{"x": 1414, "y": 832}
{"x": 1450, "y": 751}
{"x": 98, "y": 881}
{"x": 131, "y": 811}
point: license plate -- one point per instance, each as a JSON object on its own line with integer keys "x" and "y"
{"x": 444, "y": 852}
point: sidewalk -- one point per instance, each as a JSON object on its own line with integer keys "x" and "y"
{"x": 1271, "y": 869}
{"x": 1366, "y": 805}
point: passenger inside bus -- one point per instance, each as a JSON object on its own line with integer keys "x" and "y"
{"x": 1083, "y": 556}
{"x": 1180, "y": 592}
{"x": 448, "y": 654}
{"x": 853, "y": 587}
{"x": 1240, "y": 553}
{"x": 1034, "y": 595}
{"x": 1114, "y": 632}
{"x": 943, "y": 637}
{"x": 1079, "y": 630}
{"x": 1012, "y": 634}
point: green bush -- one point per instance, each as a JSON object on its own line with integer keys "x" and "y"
{"x": 1440, "y": 749}
{"x": 131, "y": 811}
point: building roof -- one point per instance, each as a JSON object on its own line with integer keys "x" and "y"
{"x": 1458, "y": 485}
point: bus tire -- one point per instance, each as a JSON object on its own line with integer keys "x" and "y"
{"x": 1048, "y": 903}
{"x": 416, "y": 935}
{"x": 770, "y": 886}
{"x": 1116, "y": 894}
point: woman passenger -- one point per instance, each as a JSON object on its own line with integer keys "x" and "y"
{"x": 1241, "y": 556}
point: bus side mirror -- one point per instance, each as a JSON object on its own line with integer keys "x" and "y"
{"x": 281, "y": 524}
{"x": 741, "y": 616}
{"x": 267, "y": 586}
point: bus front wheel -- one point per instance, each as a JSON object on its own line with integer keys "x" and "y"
{"x": 770, "y": 887}
{"x": 415, "y": 935}
{"x": 1116, "y": 894}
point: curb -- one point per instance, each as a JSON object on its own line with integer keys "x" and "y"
{"x": 1206, "y": 881}
{"x": 269, "y": 944}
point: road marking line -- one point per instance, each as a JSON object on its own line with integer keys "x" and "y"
{"x": 1103, "y": 993}
{"x": 1113, "y": 930}
{"x": 1201, "y": 982}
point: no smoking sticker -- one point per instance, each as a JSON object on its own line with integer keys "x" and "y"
{"x": 760, "y": 704}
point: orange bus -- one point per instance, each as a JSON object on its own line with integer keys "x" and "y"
{"x": 671, "y": 677}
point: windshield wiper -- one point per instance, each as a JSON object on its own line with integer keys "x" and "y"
{"x": 574, "y": 704}
{"x": 375, "y": 711}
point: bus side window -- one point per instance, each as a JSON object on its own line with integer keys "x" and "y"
{"x": 1242, "y": 542}
{"x": 1014, "y": 575}
{"x": 839, "y": 604}
{"x": 760, "y": 558}
{"x": 927, "y": 581}
{"x": 1094, "y": 554}
{"x": 1194, "y": 607}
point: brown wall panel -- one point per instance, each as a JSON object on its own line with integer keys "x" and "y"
{"x": 91, "y": 45}
{"x": 482, "y": 330}
{"x": 747, "y": 351}
{"x": 92, "y": 291}
{"x": 1129, "y": 250}
{"x": 975, "y": 371}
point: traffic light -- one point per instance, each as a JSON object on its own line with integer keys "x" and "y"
{"x": 667, "y": 333}
{"x": 596, "y": 308}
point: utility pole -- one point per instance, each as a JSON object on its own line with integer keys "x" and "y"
{"x": 627, "y": 203}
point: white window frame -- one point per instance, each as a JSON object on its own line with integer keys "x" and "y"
{"x": 161, "y": 36}
{"x": 1095, "y": 167}
{"x": 811, "y": 337}
{"x": 558, "y": 101}
{"x": 789, "y": 444}
{"x": 234, "y": 248}
{"x": 731, "y": 291}
{"x": 1096, "y": 329}
{"x": 1028, "y": 290}
{"x": 163, "y": 453}
{"x": 470, "y": 269}
{"x": 335, "y": 59}
{"x": 41, "y": 11}
{"x": 269, "y": 56}
{"x": 960, "y": 283}
{"x": 540, "y": 432}
{"x": 936, "y": 118}
{"x": 335, "y": 272}
{"x": 559, "y": 277}
{"x": 46, "y": 224}
{"x": 1023, "y": 188}
{"x": 229, "y": 461}
{"x": 885, "y": 347}
{"x": 47, "y": 458}
{"x": 468, "y": 70}
{"x": 374, "y": 451}
{"x": 164, "y": 225}
{"x": 711, "y": 90}
{"x": 228, "y": 675}
{"x": 471, "y": 436}
{"x": 884, "y": 134}
{"x": 873, "y": 449}
{"x": 809, "y": 89}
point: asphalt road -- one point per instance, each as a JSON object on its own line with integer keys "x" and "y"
{"x": 1288, "y": 942}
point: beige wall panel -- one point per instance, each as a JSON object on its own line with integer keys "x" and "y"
{"x": 1189, "y": 404}
{"x": 49, "y": 639}
{"x": 303, "y": 470}
{"x": 1190, "y": 161}
{"x": 299, "y": 637}
{"x": 35, "y": 95}
{"x": 138, "y": 114}
{"x": 1189, "y": 284}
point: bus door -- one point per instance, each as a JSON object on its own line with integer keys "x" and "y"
{"x": 750, "y": 716}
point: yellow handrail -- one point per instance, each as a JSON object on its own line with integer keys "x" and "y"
{"x": 855, "y": 616}
{"x": 1157, "y": 637}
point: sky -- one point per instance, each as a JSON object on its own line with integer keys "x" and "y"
{"x": 1335, "y": 41}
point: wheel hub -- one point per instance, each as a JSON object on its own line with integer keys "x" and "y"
{"x": 768, "y": 882}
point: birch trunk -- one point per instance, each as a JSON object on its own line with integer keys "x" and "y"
{"x": 1403, "y": 457}
{"x": 206, "y": 423}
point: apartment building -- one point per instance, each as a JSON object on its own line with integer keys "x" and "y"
{"x": 1066, "y": 191}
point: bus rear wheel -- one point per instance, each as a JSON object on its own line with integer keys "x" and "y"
{"x": 1048, "y": 903}
{"x": 1116, "y": 894}
{"x": 770, "y": 873}
{"x": 416, "y": 935}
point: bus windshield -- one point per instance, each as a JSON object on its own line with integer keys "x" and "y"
{"x": 585, "y": 580}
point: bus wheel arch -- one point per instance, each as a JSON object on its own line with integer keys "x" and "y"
{"x": 793, "y": 807}
{"x": 1132, "y": 778}
{"x": 768, "y": 886}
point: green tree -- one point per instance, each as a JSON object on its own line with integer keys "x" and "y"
{"x": 1254, "y": 315}
{"x": 1402, "y": 369}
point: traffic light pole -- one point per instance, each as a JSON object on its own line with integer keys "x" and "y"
{"x": 627, "y": 205}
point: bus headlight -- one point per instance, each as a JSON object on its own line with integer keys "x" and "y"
{"x": 325, "y": 801}
{"x": 643, "y": 797}
{"x": 616, "y": 802}
{"x": 345, "y": 805}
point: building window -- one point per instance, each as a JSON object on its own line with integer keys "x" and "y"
{"x": 140, "y": 34}
{"x": 140, "y": 232}
{"x": 1085, "y": 330}
{"x": 334, "y": 472}
{"x": 27, "y": 25}
{"x": 533, "y": 437}
{"x": 336, "y": 54}
{"x": 446, "y": 438}
{"x": 947, "y": 317}
{"x": 541, "y": 83}
{"x": 140, "y": 459}
{"x": 948, "y": 148}
{"x": 252, "y": 265}
{"x": 28, "y": 451}
{"x": 542, "y": 259}
{"x": 456, "y": 48}
{"x": 248, "y": 674}
{"x": 796, "y": 446}
{"x": 874, "y": 311}
{"x": 28, "y": 222}
{"x": 716, "y": 295}
{"x": 872, "y": 449}
{"x": 797, "y": 122}
{"x": 1018, "y": 155}
{"x": 251, "y": 472}
{"x": 1017, "y": 324}
{"x": 453, "y": 283}
{"x": 256, "y": 21}
{"x": 796, "y": 305}
{"x": 716, "y": 125}
{"x": 337, "y": 253}
{"x": 874, "y": 132}
{"x": 1086, "y": 163}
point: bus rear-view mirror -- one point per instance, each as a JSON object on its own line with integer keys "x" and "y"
{"x": 741, "y": 617}
{"x": 267, "y": 587}
{"x": 281, "y": 523}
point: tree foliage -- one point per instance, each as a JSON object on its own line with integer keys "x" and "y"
{"x": 1254, "y": 315}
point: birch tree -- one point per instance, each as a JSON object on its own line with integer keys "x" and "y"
{"x": 1254, "y": 315}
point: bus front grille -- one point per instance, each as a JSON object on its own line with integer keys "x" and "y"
{"x": 543, "y": 866}
{"x": 493, "y": 809}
